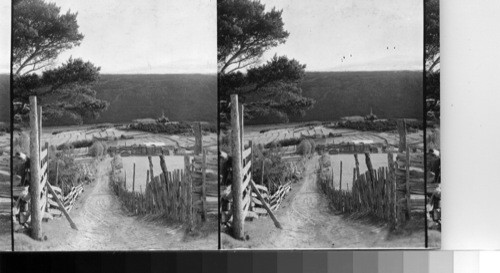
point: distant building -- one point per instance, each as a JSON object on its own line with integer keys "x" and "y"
{"x": 371, "y": 116}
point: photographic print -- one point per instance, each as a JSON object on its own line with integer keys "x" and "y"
{"x": 321, "y": 124}
{"x": 115, "y": 107}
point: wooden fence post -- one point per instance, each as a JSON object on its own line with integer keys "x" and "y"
{"x": 341, "y": 176}
{"x": 357, "y": 165}
{"x": 189, "y": 191}
{"x": 237, "y": 190}
{"x": 35, "y": 190}
{"x": 408, "y": 195}
{"x": 198, "y": 139}
{"x": 241, "y": 120}
{"x": 369, "y": 166}
{"x": 133, "y": 180}
{"x": 203, "y": 187}
{"x": 401, "y": 123}
{"x": 151, "y": 167}
{"x": 403, "y": 148}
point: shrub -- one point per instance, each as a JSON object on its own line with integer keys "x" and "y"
{"x": 276, "y": 170}
{"x": 170, "y": 128}
{"x": 105, "y": 148}
{"x": 313, "y": 145}
{"x": 96, "y": 150}
{"x": 117, "y": 162}
{"x": 70, "y": 172}
{"x": 22, "y": 143}
{"x": 304, "y": 147}
{"x": 77, "y": 144}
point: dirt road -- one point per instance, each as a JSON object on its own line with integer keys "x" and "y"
{"x": 309, "y": 222}
{"x": 104, "y": 225}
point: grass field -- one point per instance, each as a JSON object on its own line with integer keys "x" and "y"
{"x": 69, "y": 134}
{"x": 321, "y": 134}
{"x": 142, "y": 165}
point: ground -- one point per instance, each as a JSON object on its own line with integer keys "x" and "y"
{"x": 59, "y": 135}
{"x": 277, "y": 132}
{"x": 309, "y": 222}
{"x": 103, "y": 224}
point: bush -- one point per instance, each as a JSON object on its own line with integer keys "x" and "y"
{"x": 117, "y": 162}
{"x": 22, "y": 143}
{"x": 70, "y": 173}
{"x": 76, "y": 144}
{"x": 304, "y": 147}
{"x": 170, "y": 128}
{"x": 284, "y": 142}
{"x": 381, "y": 125}
{"x": 276, "y": 170}
{"x": 313, "y": 145}
{"x": 96, "y": 150}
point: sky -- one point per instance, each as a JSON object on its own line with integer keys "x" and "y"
{"x": 144, "y": 37}
{"x": 5, "y": 37}
{"x": 179, "y": 36}
{"x": 323, "y": 32}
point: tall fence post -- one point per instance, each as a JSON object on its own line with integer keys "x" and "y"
{"x": 189, "y": 191}
{"x": 203, "y": 187}
{"x": 340, "y": 176}
{"x": 403, "y": 148}
{"x": 133, "y": 180}
{"x": 35, "y": 190}
{"x": 238, "y": 229}
{"x": 198, "y": 139}
{"x": 408, "y": 195}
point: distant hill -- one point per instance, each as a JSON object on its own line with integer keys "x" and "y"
{"x": 181, "y": 96}
{"x": 194, "y": 97}
{"x": 391, "y": 94}
{"x": 4, "y": 98}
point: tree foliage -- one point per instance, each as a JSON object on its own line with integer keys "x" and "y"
{"x": 40, "y": 34}
{"x": 245, "y": 31}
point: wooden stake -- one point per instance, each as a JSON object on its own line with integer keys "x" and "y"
{"x": 198, "y": 141}
{"x": 133, "y": 180}
{"x": 340, "y": 176}
{"x": 61, "y": 206}
{"x": 203, "y": 187}
{"x": 237, "y": 190}
{"x": 163, "y": 166}
{"x": 266, "y": 206}
{"x": 35, "y": 190}
{"x": 151, "y": 167}
{"x": 369, "y": 166}
{"x": 408, "y": 195}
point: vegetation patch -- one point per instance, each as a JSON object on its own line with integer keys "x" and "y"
{"x": 380, "y": 125}
{"x": 168, "y": 128}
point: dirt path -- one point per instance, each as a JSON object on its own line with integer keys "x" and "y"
{"x": 104, "y": 225}
{"x": 309, "y": 222}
